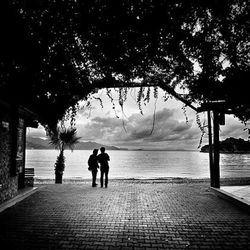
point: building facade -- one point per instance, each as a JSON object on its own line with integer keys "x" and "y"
{"x": 13, "y": 124}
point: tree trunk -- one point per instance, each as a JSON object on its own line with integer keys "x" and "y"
{"x": 58, "y": 178}
{"x": 59, "y": 168}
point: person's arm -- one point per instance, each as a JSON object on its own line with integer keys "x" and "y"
{"x": 97, "y": 162}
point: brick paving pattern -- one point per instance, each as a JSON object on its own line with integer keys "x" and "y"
{"x": 126, "y": 215}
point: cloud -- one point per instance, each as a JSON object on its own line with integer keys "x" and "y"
{"x": 36, "y": 132}
{"x": 137, "y": 129}
{"x": 99, "y": 123}
{"x": 233, "y": 128}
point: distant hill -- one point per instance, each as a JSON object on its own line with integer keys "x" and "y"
{"x": 38, "y": 143}
{"x": 231, "y": 145}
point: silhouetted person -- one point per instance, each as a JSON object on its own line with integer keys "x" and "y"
{"x": 93, "y": 166}
{"x": 103, "y": 159}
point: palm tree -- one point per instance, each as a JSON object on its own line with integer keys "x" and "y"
{"x": 62, "y": 138}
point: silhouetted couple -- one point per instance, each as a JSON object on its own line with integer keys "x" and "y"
{"x": 94, "y": 161}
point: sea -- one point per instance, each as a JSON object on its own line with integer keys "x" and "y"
{"x": 126, "y": 164}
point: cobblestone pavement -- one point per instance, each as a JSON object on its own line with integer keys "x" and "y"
{"x": 126, "y": 215}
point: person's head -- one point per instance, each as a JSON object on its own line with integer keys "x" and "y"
{"x": 102, "y": 149}
{"x": 95, "y": 151}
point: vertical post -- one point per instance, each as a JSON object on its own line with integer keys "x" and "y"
{"x": 216, "y": 163}
{"x": 13, "y": 129}
{"x": 211, "y": 161}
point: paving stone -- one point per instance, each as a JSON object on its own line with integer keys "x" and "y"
{"x": 126, "y": 215}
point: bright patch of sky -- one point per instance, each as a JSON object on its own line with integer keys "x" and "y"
{"x": 163, "y": 124}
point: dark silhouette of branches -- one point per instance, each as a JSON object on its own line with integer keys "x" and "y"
{"x": 55, "y": 53}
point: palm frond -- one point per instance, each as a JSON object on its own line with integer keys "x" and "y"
{"x": 54, "y": 139}
{"x": 64, "y": 137}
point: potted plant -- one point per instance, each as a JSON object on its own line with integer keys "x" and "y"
{"x": 62, "y": 138}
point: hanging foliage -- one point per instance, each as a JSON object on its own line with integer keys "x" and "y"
{"x": 185, "y": 113}
{"x": 201, "y": 127}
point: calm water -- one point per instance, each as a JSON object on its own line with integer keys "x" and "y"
{"x": 140, "y": 164}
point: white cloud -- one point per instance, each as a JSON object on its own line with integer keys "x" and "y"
{"x": 233, "y": 128}
{"x": 137, "y": 130}
{"x": 133, "y": 130}
{"x": 36, "y": 132}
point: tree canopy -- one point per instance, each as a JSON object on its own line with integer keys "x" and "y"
{"x": 56, "y": 52}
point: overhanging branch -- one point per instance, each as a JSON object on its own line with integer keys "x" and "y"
{"x": 113, "y": 83}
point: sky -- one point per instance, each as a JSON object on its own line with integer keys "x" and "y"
{"x": 164, "y": 125}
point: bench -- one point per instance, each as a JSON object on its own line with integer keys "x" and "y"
{"x": 29, "y": 177}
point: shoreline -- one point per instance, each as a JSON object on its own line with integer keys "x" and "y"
{"x": 173, "y": 180}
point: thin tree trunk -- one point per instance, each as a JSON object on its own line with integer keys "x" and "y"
{"x": 59, "y": 168}
{"x": 58, "y": 179}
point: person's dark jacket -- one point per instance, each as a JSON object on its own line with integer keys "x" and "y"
{"x": 103, "y": 159}
{"x": 93, "y": 163}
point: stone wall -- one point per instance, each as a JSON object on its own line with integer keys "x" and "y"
{"x": 8, "y": 183}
